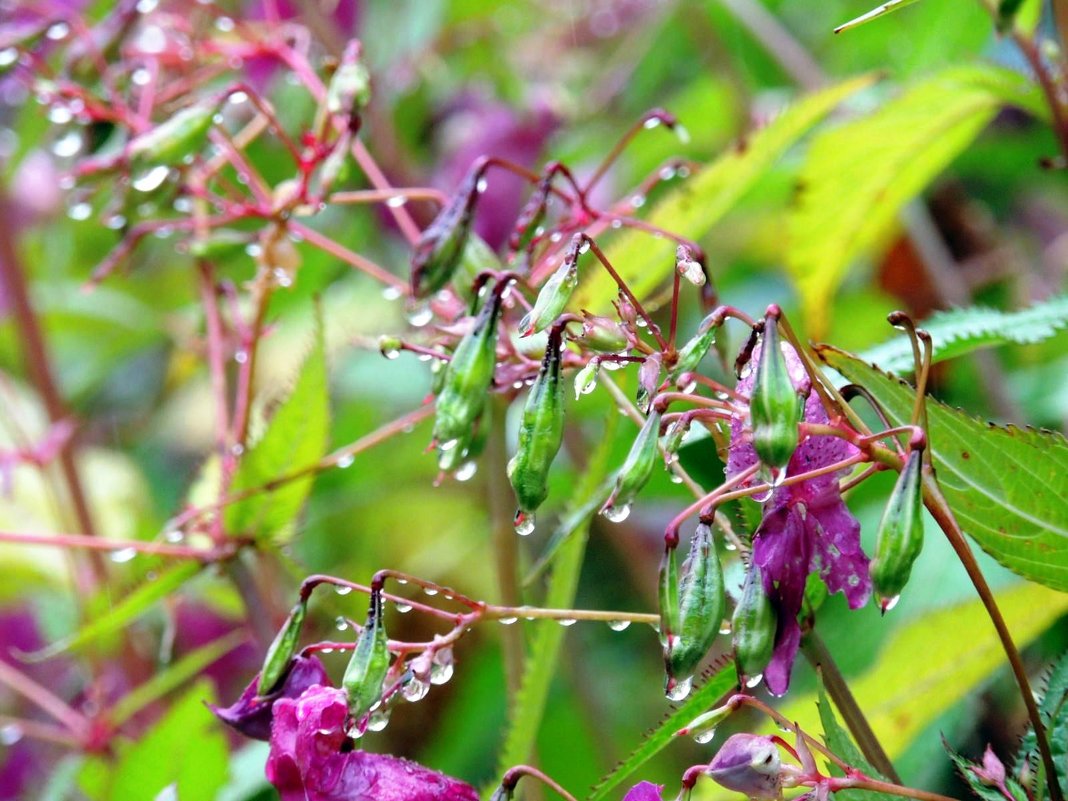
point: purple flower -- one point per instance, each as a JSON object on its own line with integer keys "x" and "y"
{"x": 645, "y": 791}
{"x": 750, "y": 764}
{"x": 806, "y": 526}
{"x": 252, "y": 716}
{"x": 307, "y": 761}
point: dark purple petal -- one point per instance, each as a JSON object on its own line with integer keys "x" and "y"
{"x": 252, "y": 716}
{"x": 306, "y": 762}
{"x": 645, "y": 791}
{"x": 842, "y": 564}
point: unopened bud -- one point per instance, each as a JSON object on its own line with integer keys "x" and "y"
{"x": 900, "y": 537}
{"x": 281, "y": 650}
{"x": 701, "y": 605}
{"x": 350, "y": 88}
{"x": 774, "y": 406}
{"x": 753, "y": 626}
{"x": 174, "y": 139}
{"x": 688, "y": 267}
{"x": 748, "y": 764}
{"x": 541, "y": 431}
{"x": 637, "y": 468}
{"x": 648, "y": 381}
{"x": 706, "y": 722}
{"x": 673, "y": 439}
{"x": 554, "y": 295}
{"x": 369, "y": 663}
{"x": 602, "y": 334}
{"x": 439, "y": 250}
{"x": 691, "y": 354}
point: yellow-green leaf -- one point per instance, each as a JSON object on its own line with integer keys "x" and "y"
{"x": 875, "y": 13}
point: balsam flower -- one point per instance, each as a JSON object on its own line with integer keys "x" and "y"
{"x": 806, "y": 526}
{"x": 307, "y": 761}
{"x": 251, "y": 715}
{"x": 645, "y": 791}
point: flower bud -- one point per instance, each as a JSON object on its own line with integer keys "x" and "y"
{"x": 774, "y": 406}
{"x": 174, "y": 139}
{"x": 636, "y": 470}
{"x": 692, "y": 352}
{"x": 688, "y": 267}
{"x": 586, "y": 379}
{"x": 602, "y": 334}
{"x": 673, "y": 439}
{"x": 531, "y": 216}
{"x": 701, "y": 605}
{"x": 540, "y": 431}
{"x": 440, "y": 249}
{"x": 367, "y": 668}
{"x": 749, "y": 764}
{"x": 350, "y": 88}
{"x": 281, "y": 650}
{"x": 555, "y": 294}
{"x": 648, "y": 381}
{"x": 900, "y": 537}
{"x": 668, "y": 585}
{"x": 468, "y": 376}
{"x": 753, "y": 626}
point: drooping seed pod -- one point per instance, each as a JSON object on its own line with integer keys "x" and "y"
{"x": 648, "y": 380}
{"x": 554, "y": 295}
{"x": 636, "y": 469}
{"x": 673, "y": 439}
{"x": 774, "y": 406}
{"x": 541, "y": 431}
{"x": 900, "y": 537}
{"x": 176, "y": 138}
{"x": 753, "y": 626}
{"x": 668, "y": 591}
{"x": 692, "y": 352}
{"x": 439, "y": 250}
{"x": 602, "y": 334}
{"x": 701, "y": 605}
{"x": 369, "y": 663}
{"x": 468, "y": 376}
{"x": 531, "y": 216}
{"x": 281, "y": 649}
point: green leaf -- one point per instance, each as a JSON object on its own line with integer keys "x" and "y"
{"x": 700, "y": 701}
{"x": 902, "y": 694}
{"x": 295, "y": 439}
{"x": 875, "y": 13}
{"x": 960, "y": 331}
{"x": 841, "y": 744}
{"x": 1005, "y": 485}
{"x": 173, "y": 676}
{"x": 1054, "y": 714}
{"x": 124, "y": 612}
{"x": 691, "y": 211}
{"x": 857, "y": 177}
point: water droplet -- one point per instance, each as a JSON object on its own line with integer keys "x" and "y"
{"x": 415, "y": 690}
{"x": 58, "y": 31}
{"x": 123, "y": 555}
{"x": 637, "y": 201}
{"x": 10, "y": 734}
{"x": 174, "y": 535}
{"x": 342, "y": 590}
{"x": 853, "y": 581}
{"x": 753, "y": 681}
{"x": 241, "y": 356}
{"x": 237, "y": 449}
{"x": 346, "y": 461}
{"x": 60, "y": 115}
{"x": 617, "y": 514}
{"x": 524, "y": 523}
{"x": 566, "y": 622}
{"x": 763, "y": 497}
{"x": 689, "y": 388}
{"x": 704, "y": 737}
{"x": 355, "y": 730}
{"x": 151, "y": 179}
{"x": 326, "y": 650}
{"x": 115, "y": 222}
{"x": 729, "y": 546}
{"x": 379, "y": 719}
{"x": 419, "y": 315}
{"x": 652, "y": 122}
{"x": 282, "y": 278}
{"x": 237, "y": 98}
{"x": 886, "y": 604}
{"x": 675, "y": 478}
{"x": 396, "y": 201}
{"x": 617, "y": 224}
{"x": 224, "y": 24}
{"x": 391, "y": 353}
{"x": 341, "y": 623}
{"x": 441, "y": 668}
{"x": 585, "y": 246}
{"x": 79, "y": 211}
{"x": 431, "y": 591}
{"x": 403, "y": 608}
{"x": 68, "y": 145}
{"x": 619, "y": 625}
{"x": 679, "y": 689}
{"x": 482, "y": 185}
{"x": 8, "y": 56}
{"x": 448, "y": 445}
{"x": 507, "y": 621}
{"x": 402, "y": 581}
{"x": 682, "y": 134}
{"x": 466, "y": 471}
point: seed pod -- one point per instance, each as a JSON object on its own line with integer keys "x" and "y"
{"x": 602, "y": 334}
{"x": 350, "y": 88}
{"x": 900, "y": 537}
{"x": 174, "y": 139}
{"x": 540, "y": 432}
{"x": 531, "y": 216}
{"x": 673, "y": 440}
{"x": 636, "y": 470}
{"x": 468, "y": 375}
{"x": 439, "y": 250}
{"x": 556, "y": 292}
{"x": 774, "y": 406}
{"x": 669, "y": 598}
{"x": 753, "y": 626}
{"x": 692, "y": 352}
{"x": 701, "y": 605}
{"x": 369, "y": 663}
{"x": 281, "y": 650}
{"x": 648, "y": 381}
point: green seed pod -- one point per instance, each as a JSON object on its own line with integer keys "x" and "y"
{"x": 701, "y": 605}
{"x": 673, "y": 440}
{"x": 440, "y": 249}
{"x": 900, "y": 537}
{"x": 531, "y": 216}
{"x": 648, "y": 381}
{"x": 468, "y": 376}
{"x": 774, "y": 406}
{"x": 350, "y": 88}
{"x": 669, "y": 598}
{"x": 369, "y": 663}
{"x": 692, "y": 352}
{"x": 753, "y": 626}
{"x": 554, "y": 295}
{"x": 281, "y": 651}
{"x": 602, "y": 334}
{"x": 171, "y": 141}
{"x": 636, "y": 470}
{"x": 540, "y": 431}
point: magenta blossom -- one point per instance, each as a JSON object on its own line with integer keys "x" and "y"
{"x": 749, "y": 764}
{"x": 806, "y": 526}
{"x": 308, "y": 761}
{"x": 252, "y": 715}
{"x": 645, "y": 791}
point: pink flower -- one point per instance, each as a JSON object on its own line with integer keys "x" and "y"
{"x": 645, "y": 791}
{"x": 806, "y": 526}
{"x": 308, "y": 761}
{"x": 750, "y": 764}
{"x": 252, "y": 715}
